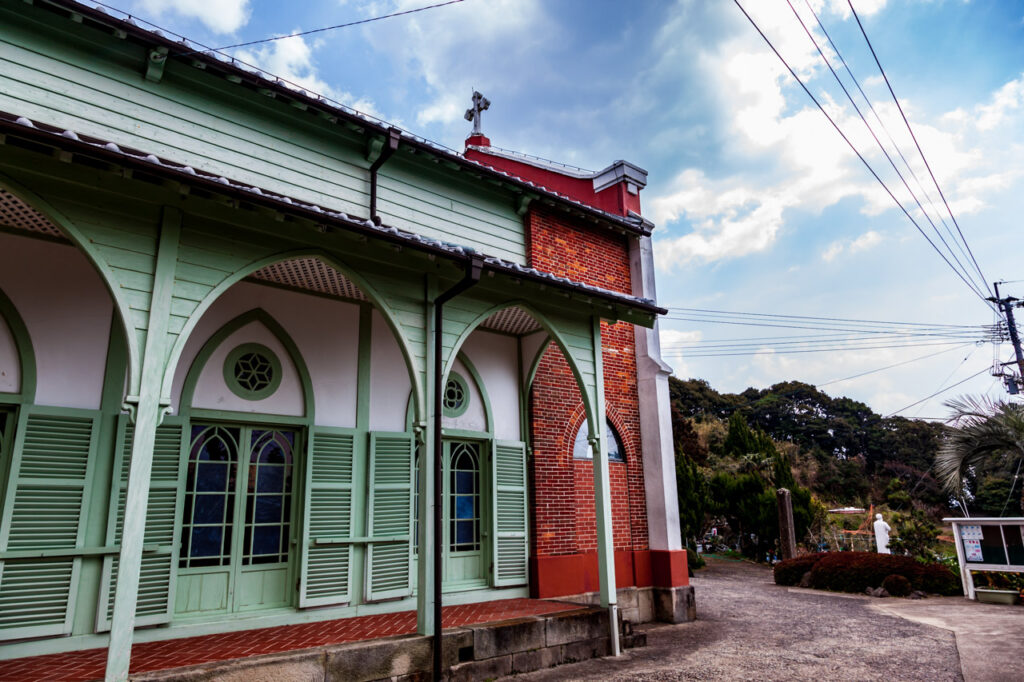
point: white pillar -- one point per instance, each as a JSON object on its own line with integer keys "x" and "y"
{"x": 655, "y": 413}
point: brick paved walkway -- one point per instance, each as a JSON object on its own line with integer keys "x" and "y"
{"x": 174, "y": 653}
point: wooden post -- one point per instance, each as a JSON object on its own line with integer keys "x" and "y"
{"x": 602, "y": 496}
{"x": 787, "y": 533}
{"x": 148, "y": 414}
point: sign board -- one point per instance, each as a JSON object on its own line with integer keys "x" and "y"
{"x": 988, "y": 544}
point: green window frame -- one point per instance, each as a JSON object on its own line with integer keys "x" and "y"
{"x": 252, "y": 371}
{"x": 456, "y": 395}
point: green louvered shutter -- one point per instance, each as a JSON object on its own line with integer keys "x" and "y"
{"x": 510, "y": 545}
{"x": 327, "y": 519}
{"x": 389, "y": 551}
{"x": 162, "y": 536}
{"x": 47, "y": 490}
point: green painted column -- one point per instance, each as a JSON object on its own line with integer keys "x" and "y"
{"x": 425, "y": 441}
{"x": 148, "y": 412}
{"x": 602, "y": 494}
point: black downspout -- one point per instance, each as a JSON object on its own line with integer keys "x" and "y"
{"x": 474, "y": 267}
{"x": 394, "y": 136}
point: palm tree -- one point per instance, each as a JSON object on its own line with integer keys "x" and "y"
{"x": 983, "y": 429}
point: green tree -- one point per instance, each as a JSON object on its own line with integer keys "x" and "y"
{"x": 915, "y": 535}
{"x": 985, "y": 430}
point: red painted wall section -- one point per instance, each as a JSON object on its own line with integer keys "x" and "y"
{"x": 564, "y": 532}
{"x": 615, "y": 199}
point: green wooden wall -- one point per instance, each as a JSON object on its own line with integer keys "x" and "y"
{"x": 63, "y": 73}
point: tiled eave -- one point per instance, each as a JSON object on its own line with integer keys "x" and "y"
{"x": 92, "y": 147}
{"x": 236, "y": 73}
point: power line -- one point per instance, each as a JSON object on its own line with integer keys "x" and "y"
{"x": 897, "y": 364}
{"x": 824, "y": 349}
{"x": 337, "y": 26}
{"x": 744, "y": 323}
{"x": 950, "y": 375}
{"x": 885, "y": 128}
{"x": 740, "y": 344}
{"x": 855, "y": 150}
{"x": 917, "y": 144}
{"x": 811, "y": 317}
{"x": 940, "y": 391}
{"x": 885, "y": 152}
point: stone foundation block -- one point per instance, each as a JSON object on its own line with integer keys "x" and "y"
{"x": 457, "y": 646}
{"x": 507, "y": 637}
{"x": 585, "y": 650}
{"x": 538, "y": 659}
{"x": 487, "y": 669}
{"x": 573, "y": 626}
{"x": 306, "y": 666}
{"x": 675, "y": 604}
{"x": 379, "y": 658}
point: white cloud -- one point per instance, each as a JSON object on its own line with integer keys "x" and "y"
{"x": 833, "y": 250}
{"x": 1007, "y": 99}
{"x": 220, "y": 16}
{"x": 443, "y": 48}
{"x": 293, "y": 60}
{"x": 864, "y": 242}
{"x": 788, "y": 158}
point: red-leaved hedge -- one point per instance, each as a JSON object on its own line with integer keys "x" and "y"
{"x": 856, "y": 571}
{"x": 790, "y": 571}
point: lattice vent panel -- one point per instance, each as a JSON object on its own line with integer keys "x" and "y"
{"x": 512, "y": 320}
{"x": 17, "y": 214}
{"x": 311, "y": 274}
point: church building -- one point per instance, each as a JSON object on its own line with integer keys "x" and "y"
{"x": 265, "y": 360}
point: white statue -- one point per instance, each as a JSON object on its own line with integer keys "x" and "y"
{"x": 882, "y": 535}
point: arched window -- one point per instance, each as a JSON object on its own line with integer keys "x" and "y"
{"x": 613, "y": 441}
{"x": 464, "y": 496}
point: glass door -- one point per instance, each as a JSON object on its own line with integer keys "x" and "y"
{"x": 237, "y": 520}
{"x": 465, "y": 515}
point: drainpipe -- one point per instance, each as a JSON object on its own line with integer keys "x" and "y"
{"x": 394, "y": 136}
{"x": 474, "y": 267}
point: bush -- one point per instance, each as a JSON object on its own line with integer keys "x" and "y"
{"x": 857, "y": 571}
{"x": 896, "y": 585}
{"x": 790, "y": 571}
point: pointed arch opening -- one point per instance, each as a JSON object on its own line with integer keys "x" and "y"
{"x": 337, "y": 307}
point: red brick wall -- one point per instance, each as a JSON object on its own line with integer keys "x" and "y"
{"x": 564, "y": 520}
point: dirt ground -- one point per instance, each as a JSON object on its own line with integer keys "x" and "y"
{"x": 748, "y": 628}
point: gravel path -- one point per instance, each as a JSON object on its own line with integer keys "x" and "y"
{"x": 748, "y": 628}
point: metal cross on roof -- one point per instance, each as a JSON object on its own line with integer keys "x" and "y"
{"x": 480, "y": 104}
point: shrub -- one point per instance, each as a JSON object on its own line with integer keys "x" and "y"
{"x": 896, "y": 585}
{"x": 856, "y": 571}
{"x": 790, "y": 571}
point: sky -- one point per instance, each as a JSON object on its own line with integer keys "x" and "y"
{"x": 759, "y": 204}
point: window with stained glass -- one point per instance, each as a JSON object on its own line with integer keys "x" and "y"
{"x": 226, "y": 483}
{"x": 210, "y": 497}
{"x": 268, "y": 498}
{"x": 464, "y": 497}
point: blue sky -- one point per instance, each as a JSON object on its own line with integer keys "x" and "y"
{"x": 760, "y": 206}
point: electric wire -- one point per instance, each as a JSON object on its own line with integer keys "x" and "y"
{"x": 811, "y": 317}
{"x": 949, "y": 376}
{"x": 939, "y": 392}
{"x": 1013, "y": 484}
{"x": 885, "y": 128}
{"x": 796, "y": 351}
{"x": 917, "y": 144}
{"x": 885, "y": 152}
{"x": 897, "y": 364}
{"x": 346, "y": 25}
{"x": 860, "y": 156}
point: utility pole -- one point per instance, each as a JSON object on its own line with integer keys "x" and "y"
{"x": 1006, "y": 305}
